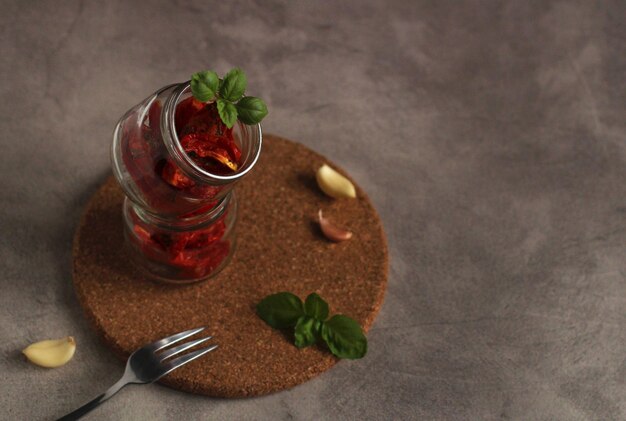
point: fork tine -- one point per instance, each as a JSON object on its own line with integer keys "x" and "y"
{"x": 180, "y": 348}
{"x": 162, "y": 343}
{"x": 180, "y": 361}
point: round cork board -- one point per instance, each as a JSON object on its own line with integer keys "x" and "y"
{"x": 280, "y": 248}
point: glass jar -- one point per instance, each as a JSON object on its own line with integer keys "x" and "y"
{"x": 181, "y": 250}
{"x": 180, "y": 211}
{"x": 154, "y": 170}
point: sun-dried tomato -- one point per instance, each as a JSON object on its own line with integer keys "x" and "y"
{"x": 184, "y": 111}
{"x": 175, "y": 177}
{"x": 212, "y": 146}
{"x": 201, "y": 145}
{"x": 193, "y": 253}
{"x": 207, "y": 140}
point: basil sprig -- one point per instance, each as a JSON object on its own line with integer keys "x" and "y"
{"x": 228, "y": 93}
{"x": 343, "y": 335}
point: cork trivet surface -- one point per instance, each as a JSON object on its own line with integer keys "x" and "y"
{"x": 279, "y": 248}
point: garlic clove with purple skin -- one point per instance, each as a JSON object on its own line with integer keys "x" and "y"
{"x": 332, "y": 231}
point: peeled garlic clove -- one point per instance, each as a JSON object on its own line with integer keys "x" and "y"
{"x": 51, "y": 353}
{"x": 334, "y": 184}
{"x": 331, "y": 231}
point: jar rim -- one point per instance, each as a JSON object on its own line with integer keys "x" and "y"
{"x": 188, "y": 223}
{"x": 168, "y": 125}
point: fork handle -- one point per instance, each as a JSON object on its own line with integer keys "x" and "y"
{"x": 78, "y": 413}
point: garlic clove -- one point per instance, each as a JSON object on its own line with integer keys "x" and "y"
{"x": 51, "y": 353}
{"x": 331, "y": 231}
{"x": 334, "y": 184}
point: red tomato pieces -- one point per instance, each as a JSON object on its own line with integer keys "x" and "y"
{"x": 211, "y": 145}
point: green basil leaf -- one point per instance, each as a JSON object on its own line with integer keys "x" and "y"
{"x": 307, "y": 331}
{"x": 204, "y": 85}
{"x": 234, "y": 85}
{"x": 344, "y": 337}
{"x": 251, "y": 110}
{"x": 280, "y": 310}
{"x": 227, "y": 112}
{"x": 316, "y": 307}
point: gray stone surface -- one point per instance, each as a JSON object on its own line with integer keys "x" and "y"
{"x": 490, "y": 135}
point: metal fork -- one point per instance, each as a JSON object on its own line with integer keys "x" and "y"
{"x": 146, "y": 366}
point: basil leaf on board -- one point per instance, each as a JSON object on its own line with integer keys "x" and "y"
{"x": 204, "y": 85}
{"x": 280, "y": 310}
{"x": 307, "y": 331}
{"x": 344, "y": 337}
{"x": 227, "y": 112}
{"x": 316, "y": 307}
{"x": 234, "y": 85}
{"x": 251, "y": 110}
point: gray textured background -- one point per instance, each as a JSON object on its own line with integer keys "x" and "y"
{"x": 491, "y": 136}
